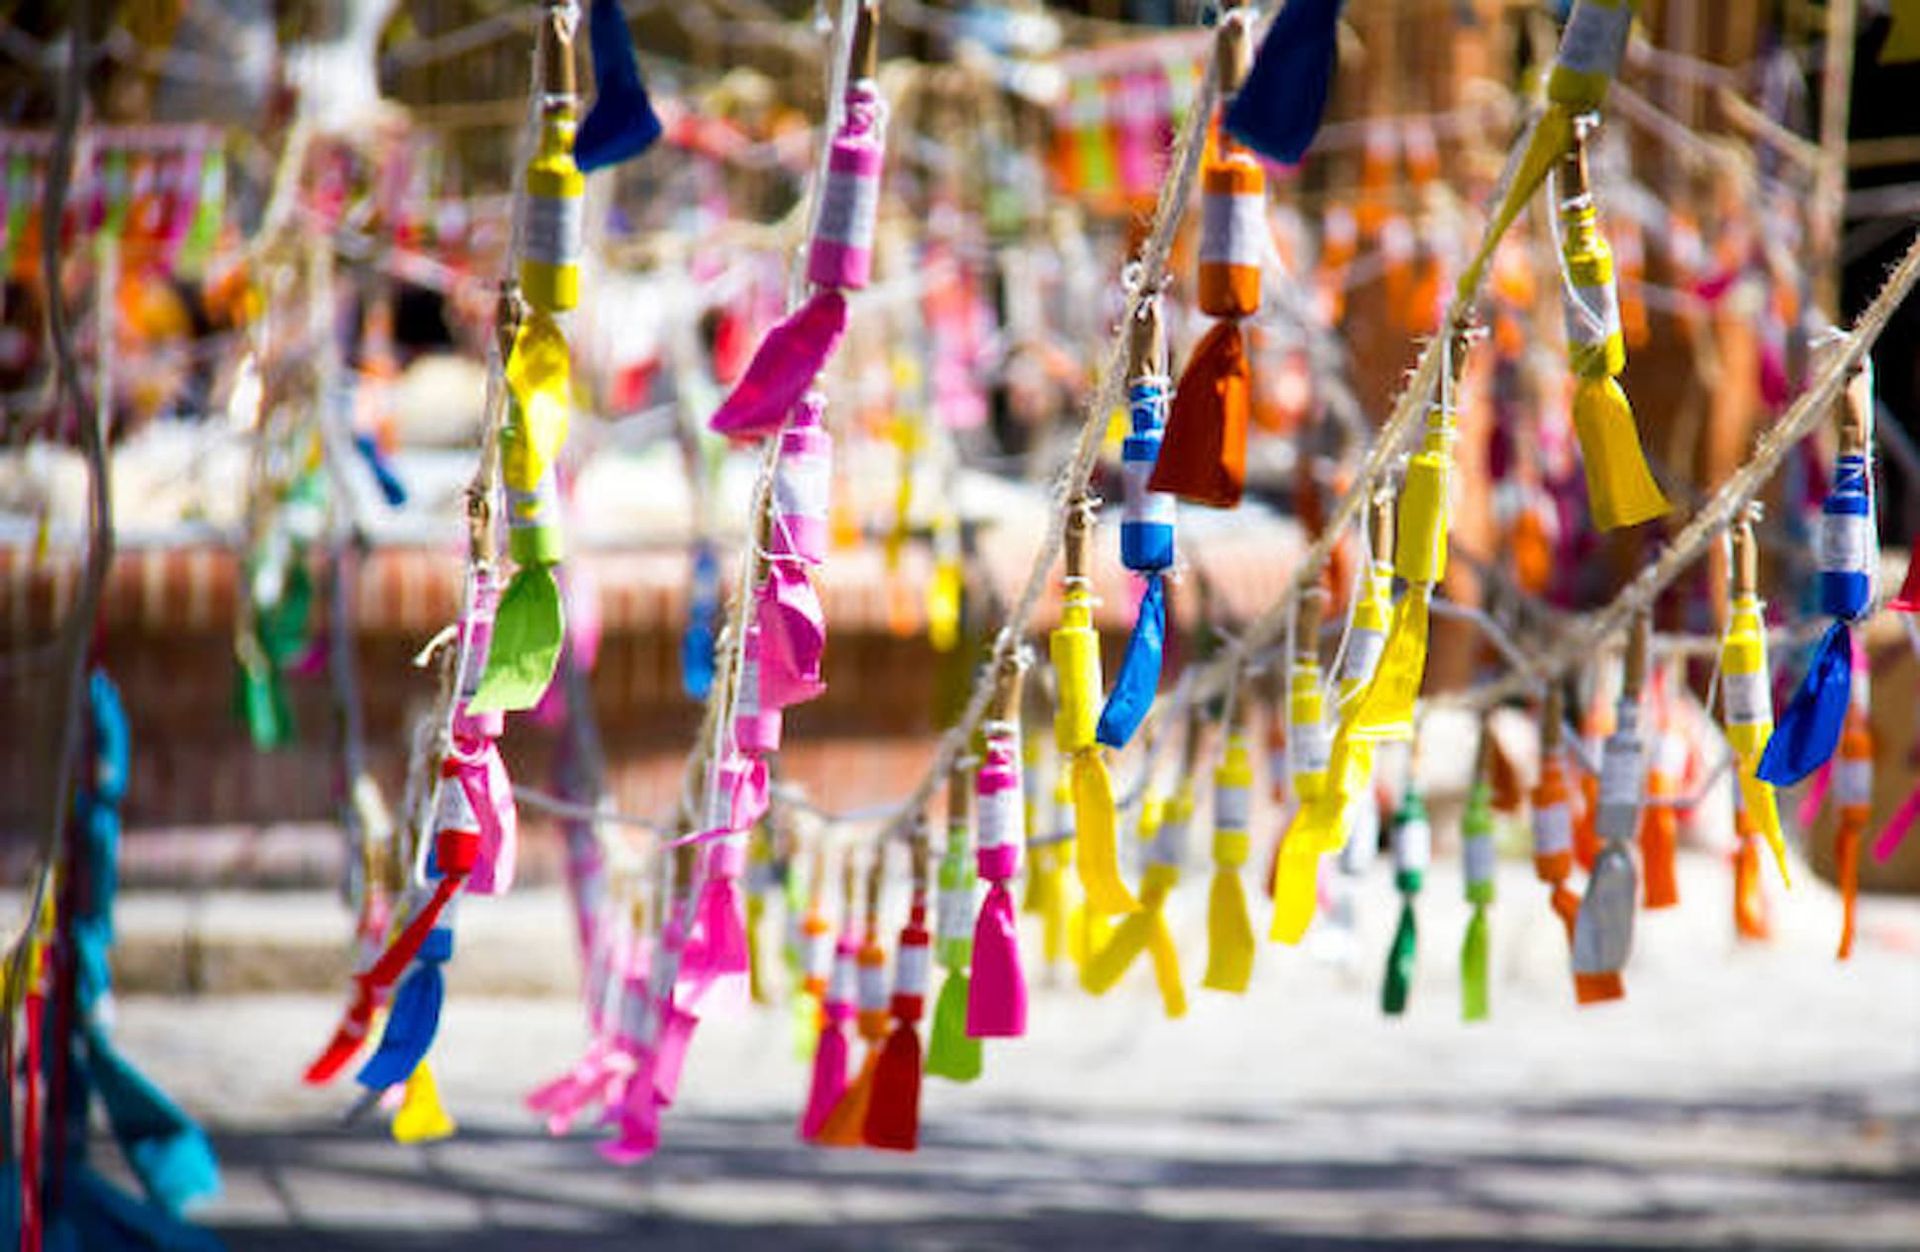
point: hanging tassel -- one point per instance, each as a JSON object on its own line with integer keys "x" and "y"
{"x": 1203, "y": 457}
{"x": 1477, "y": 860}
{"x": 421, "y": 1117}
{"x": 1310, "y": 764}
{"x": 1808, "y": 732}
{"x": 1853, "y": 792}
{"x": 1749, "y": 897}
{"x": 1553, "y": 818}
{"x": 1146, "y": 531}
{"x": 1229, "y": 927}
{"x": 1412, "y": 852}
{"x": 1145, "y": 929}
{"x": 621, "y": 124}
{"x": 1621, "y": 490}
{"x": 550, "y": 246}
{"x": 951, "y": 1052}
{"x": 893, "y": 1117}
{"x": 529, "y": 626}
{"x": 1603, "y": 932}
{"x": 997, "y": 995}
{"x": 1385, "y": 709}
{"x": 783, "y": 368}
{"x": 1278, "y": 108}
{"x": 1746, "y": 688}
{"x": 845, "y": 1126}
{"x": 831, "y": 1054}
{"x": 1074, "y": 647}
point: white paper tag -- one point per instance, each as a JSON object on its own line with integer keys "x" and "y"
{"x": 1552, "y": 830}
{"x": 802, "y": 486}
{"x": 1847, "y": 543}
{"x": 873, "y": 986}
{"x": 911, "y": 969}
{"x": 1000, "y": 815}
{"x": 1747, "y": 698}
{"x": 1232, "y": 808}
{"x": 1412, "y": 845}
{"x": 553, "y": 229}
{"x": 955, "y": 915}
{"x": 1477, "y": 855}
{"x": 1853, "y": 783}
{"x": 849, "y": 207}
{"x": 1595, "y": 38}
{"x": 1310, "y": 747}
{"x": 1232, "y": 228}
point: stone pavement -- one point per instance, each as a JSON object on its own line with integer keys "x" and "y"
{"x": 1756, "y": 1097}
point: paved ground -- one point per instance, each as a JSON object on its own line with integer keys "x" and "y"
{"x": 1748, "y": 1097}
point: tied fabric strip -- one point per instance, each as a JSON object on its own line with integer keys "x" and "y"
{"x": 1146, "y": 538}
{"x": 1412, "y": 852}
{"x": 1229, "y": 926}
{"x": 1603, "y": 931}
{"x": 997, "y": 994}
{"x": 1278, "y": 109}
{"x": 621, "y": 124}
{"x": 1477, "y": 857}
{"x": 951, "y": 1052}
{"x": 783, "y": 368}
{"x": 1145, "y": 929}
{"x": 1746, "y": 690}
{"x": 1074, "y": 647}
{"x": 893, "y": 1116}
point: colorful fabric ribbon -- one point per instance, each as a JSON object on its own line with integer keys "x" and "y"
{"x": 1412, "y": 853}
{"x": 1229, "y": 927}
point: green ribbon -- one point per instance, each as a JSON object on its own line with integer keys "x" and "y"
{"x": 951, "y": 1052}
{"x": 1393, "y": 993}
{"x": 1473, "y": 968}
{"x": 528, "y": 629}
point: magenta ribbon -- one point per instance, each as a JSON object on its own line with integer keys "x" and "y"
{"x": 1897, "y": 827}
{"x": 483, "y": 776}
{"x": 793, "y": 637}
{"x": 783, "y": 367}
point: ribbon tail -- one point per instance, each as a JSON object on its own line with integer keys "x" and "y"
{"x": 844, "y": 1125}
{"x": 784, "y": 366}
{"x": 1473, "y": 968}
{"x": 1603, "y": 932}
{"x": 1847, "y": 869}
{"x": 346, "y": 1040}
{"x": 1400, "y": 958}
{"x": 167, "y": 1150}
{"x": 1807, "y": 734}
{"x": 1095, "y": 835}
{"x": 997, "y": 992}
{"x": 1384, "y": 710}
{"x": 952, "y": 1053}
{"x": 1277, "y": 110}
{"x": 1763, "y": 806}
{"x": 1139, "y": 677}
{"x": 829, "y": 1079}
{"x": 1749, "y": 900}
{"x": 1552, "y": 136}
{"x": 422, "y": 1118}
{"x": 1897, "y": 827}
{"x": 1296, "y": 877}
{"x": 412, "y": 1023}
{"x": 1229, "y": 933}
{"x": 1203, "y": 456}
{"x": 621, "y": 124}
{"x": 1105, "y": 965}
{"x": 528, "y": 630}
{"x": 1621, "y": 490}
{"x": 1166, "y": 963}
{"x": 893, "y": 1114}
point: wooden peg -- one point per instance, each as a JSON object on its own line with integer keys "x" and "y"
{"x": 1552, "y": 721}
{"x": 1639, "y": 638}
{"x": 1383, "y": 529}
{"x": 863, "y": 59}
{"x": 1147, "y": 342}
{"x": 1306, "y": 624}
{"x": 557, "y": 82}
{"x": 1746, "y": 555}
{"x": 1078, "y": 533}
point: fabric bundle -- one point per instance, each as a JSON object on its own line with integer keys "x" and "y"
{"x": 1145, "y": 928}
{"x": 1296, "y": 870}
{"x": 952, "y": 1053}
{"x": 893, "y": 1113}
{"x": 1809, "y": 731}
{"x": 839, "y": 256}
{"x": 1203, "y": 458}
{"x": 1603, "y": 931}
{"x": 1553, "y": 815}
{"x": 1229, "y": 927}
{"x": 621, "y": 124}
{"x": 1746, "y": 688}
{"x": 1477, "y": 861}
{"x": 1412, "y": 853}
{"x": 997, "y": 995}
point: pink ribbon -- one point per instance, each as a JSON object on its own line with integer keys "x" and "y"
{"x": 793, "y": 636}
{"x": 483, "y": 776}
{"x": 1810, "y": 804}
{"x": 1897, "y": 827}
{"x": 784, "y": 366}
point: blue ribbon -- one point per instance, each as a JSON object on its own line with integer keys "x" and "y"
{"x": 1139, "y": 677}
{"x": 1277, "y": 110}
{"x": 621, "y": 124}
{"x": 1809, "y": 731}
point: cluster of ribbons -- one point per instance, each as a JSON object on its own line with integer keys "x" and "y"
{"x": 159, "y": 191}
{"x": 55, "y": 1197}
